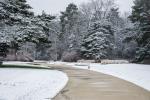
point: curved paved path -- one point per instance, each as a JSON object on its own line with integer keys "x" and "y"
{"x": 89, "y": 85}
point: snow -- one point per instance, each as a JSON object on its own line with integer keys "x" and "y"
{"x": 30, "y": 84}
{"x": 135, "y": 73}
{"x": 15, "y": 62}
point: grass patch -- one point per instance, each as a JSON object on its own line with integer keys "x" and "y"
{"x": 22, "y": 66}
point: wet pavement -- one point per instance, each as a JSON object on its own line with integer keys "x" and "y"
{"x": 89, "y": 85}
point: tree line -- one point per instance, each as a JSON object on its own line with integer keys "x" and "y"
{"x": 94, "y": 30}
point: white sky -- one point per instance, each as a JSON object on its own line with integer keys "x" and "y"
{"x": 55, "y": 6}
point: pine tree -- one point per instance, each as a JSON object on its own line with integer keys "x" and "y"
{"x": 18, "y": 25}
{"x": 43, "y": 38}
{"x": 99, "y": 41}
{"x": 37, "y": 32}
{"x": 14, "y": 11}
{"x": 68, "y": 22}
{"x": 141, "y": 18}
{"x": 13, "y": 15}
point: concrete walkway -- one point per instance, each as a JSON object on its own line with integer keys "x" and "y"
{"x": 89, "y": 85}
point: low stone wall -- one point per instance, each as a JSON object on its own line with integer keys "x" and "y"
{"x": 86, "y": 61}
{"x": 114, "y": 62}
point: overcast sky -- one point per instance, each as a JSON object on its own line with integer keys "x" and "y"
{"x": 55, "y": 6}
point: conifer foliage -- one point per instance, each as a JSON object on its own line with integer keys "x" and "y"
{"x": 141, "y": 18}
{"x": 14, "y": 14}
{"x": 98, "y": 43}
{"x": 19, "y": 25}
{"x": 14, "y": 11}
{"x": 69, "y": 22}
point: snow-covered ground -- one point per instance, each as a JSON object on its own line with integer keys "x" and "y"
{"x": 30, "y": 84}
{"x": 135, "y": 73}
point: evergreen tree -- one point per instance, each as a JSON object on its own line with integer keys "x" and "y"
{"x": 37, "y": 32}
{"x": 68, "y": 22}
{"x": 13, "y": 15}
{"x": 99, "y": 41}
{"x": 14, "y": 11}
{"x": 141, "y": 18}
{"x": 19, "y": 25}
{"x": 43, "y": 38}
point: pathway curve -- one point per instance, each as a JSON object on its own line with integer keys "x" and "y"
{"x": 89, "y": 85}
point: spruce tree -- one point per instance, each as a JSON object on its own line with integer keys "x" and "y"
{"x": 141, "y": 18}
{"x": 98, "y": 43}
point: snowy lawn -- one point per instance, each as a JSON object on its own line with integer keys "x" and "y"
{"x": 135, "y": 73}
{"x": 30, "y": 84}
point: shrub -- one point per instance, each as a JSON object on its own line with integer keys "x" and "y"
{"x": 70, "y": 56}
{"x": 25, "y": 57}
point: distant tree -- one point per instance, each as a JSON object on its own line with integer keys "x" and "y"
{"x": 69, "y": 28}
{"x": 101, "y": 8}
{"x": 114, "y": 17}
{"x": 141, "y": 18}
{"x": 97, "y": 10}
